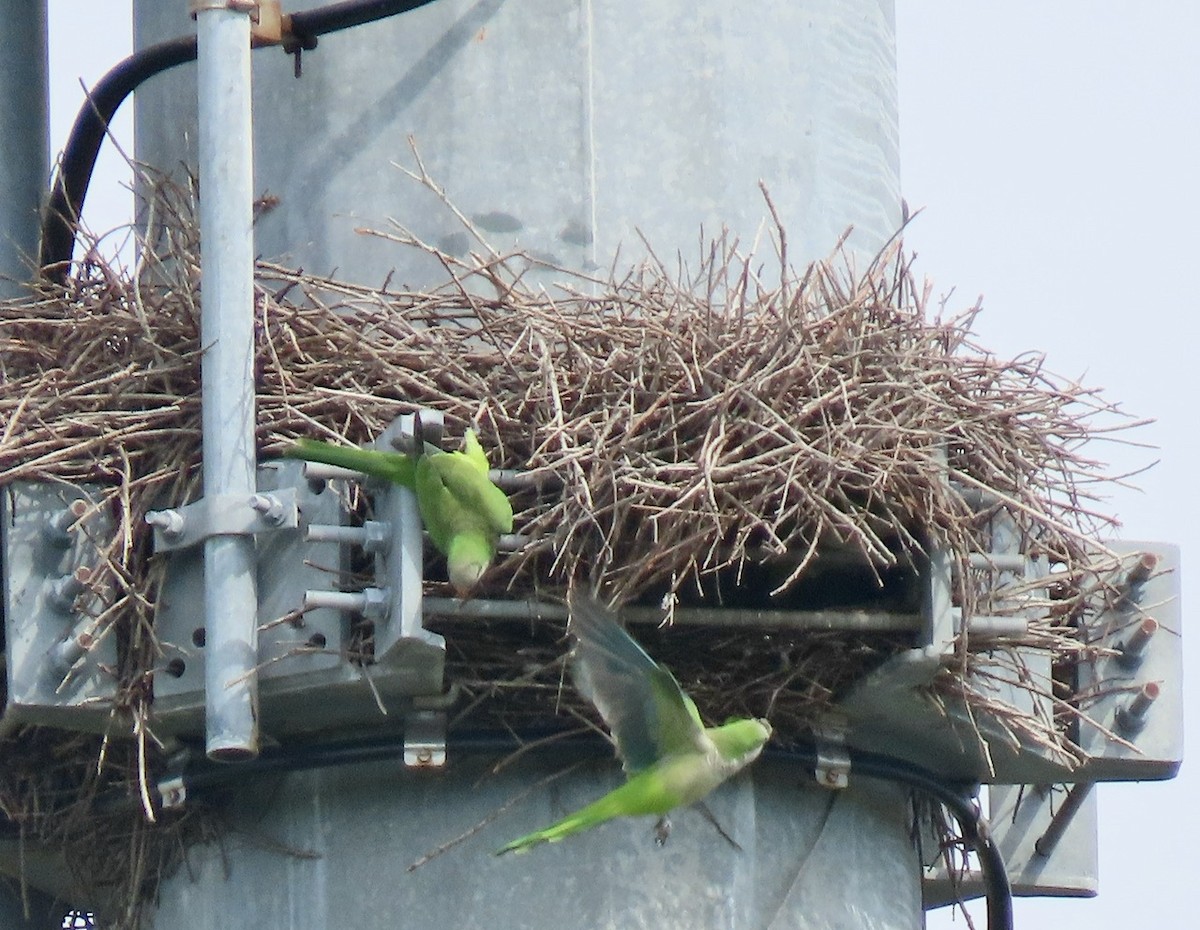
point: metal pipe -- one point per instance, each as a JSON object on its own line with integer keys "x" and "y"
{"x": 319, "y": 471}
{"x": 61, "y": 592}
{"x": 846, "y": 620}
{"x": 59, "y": 529}
{"x": 371, "y": 536}
{"x": 87, "y": 134}
{"x": 24, "y": 139}
{"x": 227, "y": 382}
{"x": 986, "y": 625}
{"x": 997, "y": 561}
{"x": 1134, "y": 584}
{"x": 493, "y": 610}
{"x": 1044, "y": 845}
{"x": 66, "y": 652}
{"x": 863, "y": 621}
{"x": 372, "y": 603}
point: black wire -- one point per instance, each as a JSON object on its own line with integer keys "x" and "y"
{"x": 337, "y": 16}
{"x": 61, "y": 219}
{"x": 958, "y": 798}
{"x": 83, "y": 145}
{"x": 58, "y": 239}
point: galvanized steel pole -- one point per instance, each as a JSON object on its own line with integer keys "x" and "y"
{"x": 24, "y": 144}
{"x": 227, "y": 332}
{"x": 570, "y": 129}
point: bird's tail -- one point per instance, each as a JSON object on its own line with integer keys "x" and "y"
{"x": 600, "y": 810}
{"x": 390, "y": 466}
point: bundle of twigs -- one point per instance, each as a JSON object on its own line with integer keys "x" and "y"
{"x": 678, "y": 427}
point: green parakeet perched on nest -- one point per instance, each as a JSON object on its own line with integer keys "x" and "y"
{"x": 670, "y": 757}
{"x": 463, "y": 512}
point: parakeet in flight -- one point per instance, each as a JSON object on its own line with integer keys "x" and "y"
{"x": 463, "y": 512}
{"x": 671, "y": 759}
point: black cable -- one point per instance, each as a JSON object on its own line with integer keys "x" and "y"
{"x": 83, "y": 145}
{"x": 957, "y": 798}
{"x": 58, "y": 239}
{"x": 74, "y": 174}
{"x": 336, "y": 16}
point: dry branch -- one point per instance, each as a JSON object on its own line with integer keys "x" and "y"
{"x": 697, "y": 432}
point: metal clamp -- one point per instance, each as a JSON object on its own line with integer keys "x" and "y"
{"x": 173, "y": 791}
{"x": 833, "y": 758}
{"x": 425, "y": 739}
{"x": 234, "y": 6}
{"x": 266, "y": 17}
{"x": 223, "y": 515}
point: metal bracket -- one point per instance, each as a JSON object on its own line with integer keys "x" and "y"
{"x": 172, "y": 787}
{"x": 235, "y": 6}
{"x": 59, "y": 653}
{"x": 425, "y": 739}
{"x": 1136, "y": 675}
{"x": 833, "y": 758}
{"x": 173, "y": 792}
{"x": 223, "y": 515}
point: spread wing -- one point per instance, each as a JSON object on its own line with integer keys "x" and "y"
{"x": 646, "y": 710}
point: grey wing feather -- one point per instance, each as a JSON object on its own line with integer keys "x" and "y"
{"x": 643, "y": 705}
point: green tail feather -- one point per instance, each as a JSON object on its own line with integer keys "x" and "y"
{"x": 390, "y": 466}
{"x": 599, "y": 811}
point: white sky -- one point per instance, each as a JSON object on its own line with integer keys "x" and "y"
{"x": 1054, "y": 148}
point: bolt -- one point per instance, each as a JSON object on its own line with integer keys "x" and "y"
{"x": 269, "y": 507}
{"x": 1131, "y": 719}
{"x": 1135, "y": 582}
{"x": 58, "y": 528}
{"x": 67, "y": 652}
{"x": 168, "y": 522}
{"x": 378, "y": 536}
{"x": 1141, "y": 572}
{"x": 1129, "y": 653}
{"x": 62, "y": 591}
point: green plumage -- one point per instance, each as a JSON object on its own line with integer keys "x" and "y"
{"x": 672, "y": 760}
{"x": 462, "y": 510}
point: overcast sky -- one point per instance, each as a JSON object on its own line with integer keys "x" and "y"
{"x": 1054, "y": 148}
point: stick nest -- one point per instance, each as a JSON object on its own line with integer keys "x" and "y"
{"x": 690, "y": 432}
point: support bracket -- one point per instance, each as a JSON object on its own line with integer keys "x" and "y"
{"x": 425, "y": 739}
{"x": 223, "y": 515}
{"x": 833, "y": 758}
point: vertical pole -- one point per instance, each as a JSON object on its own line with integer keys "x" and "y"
{"x": 24, "y": 145}
{"x": 227, "y": 332}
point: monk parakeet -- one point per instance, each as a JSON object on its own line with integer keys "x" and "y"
{"x": 671, "y": 759}
{"x": 463, "y": 512}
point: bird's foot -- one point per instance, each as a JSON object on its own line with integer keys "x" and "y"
{"x": 662, "y": 831}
